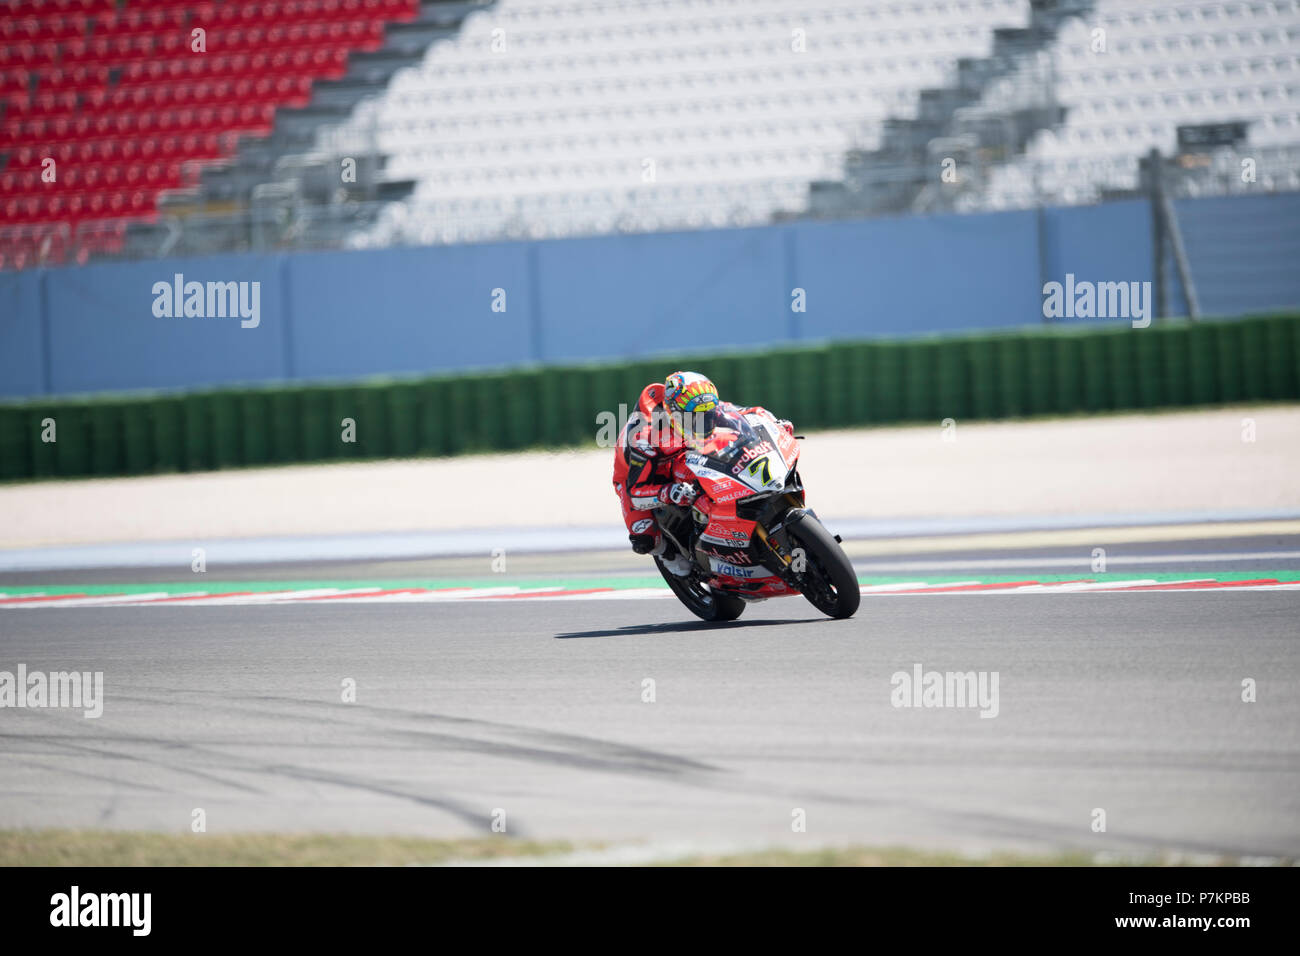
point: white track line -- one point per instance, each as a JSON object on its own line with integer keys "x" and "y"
{"x": 98, "y": 600}
{"x": 1080, "y": 561}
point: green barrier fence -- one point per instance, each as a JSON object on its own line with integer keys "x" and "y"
{"x": 1047, "y": 371}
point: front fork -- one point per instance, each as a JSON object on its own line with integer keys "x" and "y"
{"x": 776, "y": 552}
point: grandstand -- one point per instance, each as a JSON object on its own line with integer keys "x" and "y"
{"x": 107, "y": 107}
{"x": 600, "y": 116}
{"x": 1164, "y": 66}
{"x": 465, "y": 121}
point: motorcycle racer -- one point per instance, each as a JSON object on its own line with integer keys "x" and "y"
{"x": 669, "y": 420}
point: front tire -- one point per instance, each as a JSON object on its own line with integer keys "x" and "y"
{"x": 829, "y": 582}
{"x": 706, "y": 604}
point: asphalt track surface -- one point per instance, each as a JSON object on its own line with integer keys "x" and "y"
{"x": 1127, "y": 702}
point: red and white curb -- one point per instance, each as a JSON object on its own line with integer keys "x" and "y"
{"x": 375, "y": 595}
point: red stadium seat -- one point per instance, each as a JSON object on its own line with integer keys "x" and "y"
{"x": 113, "y": 92}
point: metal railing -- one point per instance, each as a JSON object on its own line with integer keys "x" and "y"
{"x": 278, "y": 218}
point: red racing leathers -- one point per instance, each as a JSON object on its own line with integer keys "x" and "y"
{"x": 643, "y": 462}
{"x": 645, "y": 458}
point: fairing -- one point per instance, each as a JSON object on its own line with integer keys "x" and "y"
{"x": 739, "y": 457}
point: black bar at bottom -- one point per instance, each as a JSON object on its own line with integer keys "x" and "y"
{"x": 212, "y": 906}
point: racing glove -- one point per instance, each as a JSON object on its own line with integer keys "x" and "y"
{"x": 680, "y": 493}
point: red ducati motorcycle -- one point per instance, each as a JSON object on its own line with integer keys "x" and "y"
{"x": 749, "y": 533}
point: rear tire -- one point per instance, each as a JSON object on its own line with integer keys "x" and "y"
{"x": 706, "y": 604}
{"x": 830, "y": 583}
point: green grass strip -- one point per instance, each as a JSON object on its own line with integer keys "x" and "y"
{"x": 124, "y": 848}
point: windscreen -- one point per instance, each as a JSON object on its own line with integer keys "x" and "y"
{"x": 721, "y": 435}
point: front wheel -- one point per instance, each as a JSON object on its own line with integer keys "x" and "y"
{"x": 829, "y": 581}
{"x": 704, "y": 603}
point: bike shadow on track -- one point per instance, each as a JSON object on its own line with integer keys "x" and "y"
{"x": 679, "y": 627}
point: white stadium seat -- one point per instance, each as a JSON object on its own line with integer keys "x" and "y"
{"x": 562, "y": 117}
{"x": 567, "y": 117}
{"x": 1165, "y": 64}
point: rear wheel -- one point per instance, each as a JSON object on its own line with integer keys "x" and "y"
{"x": 704, "y": 603}
{"x": 829, "y": 582}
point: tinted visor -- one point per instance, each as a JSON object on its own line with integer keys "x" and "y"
{"x": 700, "y": 424}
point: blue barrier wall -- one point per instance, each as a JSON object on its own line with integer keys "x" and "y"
{"x": 916, "y": 275}
{"x": 625, "y": 296}
{"x": 349, "y": 315}
{"x": 104, "y": 336}
{"x": 23, "y": 352}
{"x": 404, "y": 311}
{"x": 1244, "y": 250}
{"x": 1107, "y": 243}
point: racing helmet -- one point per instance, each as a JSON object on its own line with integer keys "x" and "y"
{"x": 691, "y": 401}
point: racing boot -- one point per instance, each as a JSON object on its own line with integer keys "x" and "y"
{"x": 671, "y": 558}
